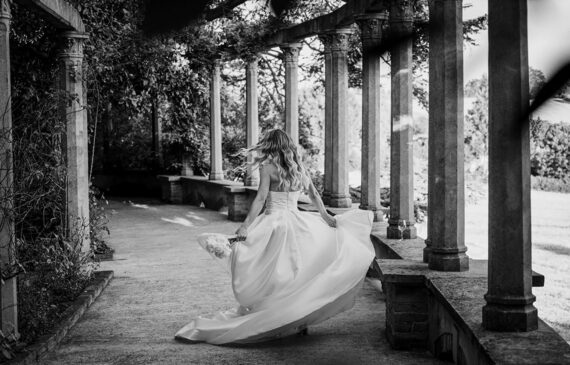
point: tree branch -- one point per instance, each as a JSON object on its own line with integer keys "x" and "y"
{"x": 222, "y": 10}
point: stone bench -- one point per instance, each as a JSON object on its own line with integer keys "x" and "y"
{"x": 239, "y": 199}
{"x": 197, "y": 190}
{"x": 442, "y": 312}
{"x": 170, "y": 189}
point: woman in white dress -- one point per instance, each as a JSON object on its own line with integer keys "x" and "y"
{"x": 292, "y": 269}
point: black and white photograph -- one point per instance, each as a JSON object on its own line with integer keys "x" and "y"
{"x": 285, "y": 182}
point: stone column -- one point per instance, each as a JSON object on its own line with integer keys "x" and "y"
{"x": 252, "y": 128}
{"x": 291, "y": 59}
{"x": 327, "y": 180}
{"x": 157, "y": 133}
{"x": 371, "y": 27}
{"x": 509, "y": 297}
{"x": 402, "y": 220}
{"x": 73, "y": 108}
{"x": 216, "y": 170}
{"x": 340, "y": 195}
{"x": 8, "y": 297}
{"x": 447, "y": 209}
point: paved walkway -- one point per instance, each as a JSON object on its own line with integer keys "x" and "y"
{"x": 163, "y": 279}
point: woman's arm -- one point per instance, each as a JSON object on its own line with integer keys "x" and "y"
{"x": 316, "y": 199}
{"x": 257, "y": 203}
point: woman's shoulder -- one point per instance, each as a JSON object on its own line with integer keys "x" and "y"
{"x": 269, "y": 165}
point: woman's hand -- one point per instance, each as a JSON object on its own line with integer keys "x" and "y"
{"x": 241, "y": 233}
{"x": 330, "y": 220}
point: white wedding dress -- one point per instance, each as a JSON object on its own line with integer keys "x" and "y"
{"x": 292, "y": 271}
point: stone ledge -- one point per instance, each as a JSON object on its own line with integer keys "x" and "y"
{"x": 412, "y": 250}
{"x": 204, "y": 179}
{"x": 196, "y": 190}
{"x": 456, "y": 300}
{"x": 33, "y": 353}
{"x": 168, "y": 178}
{"x": 408, "y": 249}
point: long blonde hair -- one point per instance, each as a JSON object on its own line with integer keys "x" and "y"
{"x": 276, "y": 146}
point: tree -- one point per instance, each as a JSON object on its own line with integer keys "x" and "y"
{"x": 536, "y": 81}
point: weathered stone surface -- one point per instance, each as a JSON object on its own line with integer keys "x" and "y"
{"x": 372, "y": 27}
{"x": 8, "y": 295}
{"x": 58, "y": 12}
{"x": 198, "y": 189}
{"x": 446, "y": 182}
{"x": 291, "y": 60}
{"x": 509, "y": 297}
{"x": 73, "y": 109}
{"x": 339, "y": 195}
{"x": 453, "y": 306}
{"x": 216, "y": 169}
{"x": 327, "y": 178}
{"x": 402, "y": 219}
{"x": 252, "y": 123}
{"x": 170, "y": 189}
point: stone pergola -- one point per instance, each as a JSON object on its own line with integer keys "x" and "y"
{"x": 509, "y": 300}
{"x": 73, "y": 108}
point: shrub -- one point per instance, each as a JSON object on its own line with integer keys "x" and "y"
{"x": 52, "y": 271}
{"x": 550, "y": 184}
{"x": 550, "y": 149}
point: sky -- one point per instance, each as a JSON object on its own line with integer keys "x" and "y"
{"x": 548, "y": 37}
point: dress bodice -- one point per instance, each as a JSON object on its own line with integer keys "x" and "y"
{"x": 281, "y": 200}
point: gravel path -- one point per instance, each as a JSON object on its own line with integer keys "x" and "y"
{"x": 163, "y": 279}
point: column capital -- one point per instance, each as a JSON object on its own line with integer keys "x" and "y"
{"x": 251, "y": 61}
{"x": 338, "y": 40}
{"x": 291, "y": 52}
{"x": 5, "y": 9}
{"x": 371, "y": 28}
{"x": 325, "y": 39}
{"x": 401, "y": 11}
{"x": 72, "y": 44}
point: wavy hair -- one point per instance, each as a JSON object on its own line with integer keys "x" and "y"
{"x": 276, "y": 146}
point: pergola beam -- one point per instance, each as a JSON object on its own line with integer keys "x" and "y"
{"x": 58, "y": 12}
{"x": 340, "y": 18}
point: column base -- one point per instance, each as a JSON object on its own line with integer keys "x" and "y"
{"x": 395, "y": 232}
{"x": 427, "y": 251}
{"x": 448, "y": 261}
{"x": 378, "y": 213}
{"x": 507, "y": 318}
{"x": 340, "y": 202}
{"x": 326, "y": 197}
{"x": 216, "y": 176}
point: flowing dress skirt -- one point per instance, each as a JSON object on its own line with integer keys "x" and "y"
{"x": 292, "y": 271}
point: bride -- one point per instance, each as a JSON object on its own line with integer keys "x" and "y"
{"x": 291, "y": 269}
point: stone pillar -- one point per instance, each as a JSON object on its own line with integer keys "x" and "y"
{"x": 291, "y": 59}
{"x": 371, "y": 27}
{"x": 252, "y": 128}
{"x": 447, "y": 209}
{"x": 8, "y": 297}
{"x": 402, "y": 220}
{"x": 340, "y": 195}
{"x": 509, "y": 297}
{"x": 187, "y": 164}
{"x": 157, "y": 133}
{"x": 327, "y": 178}
{"x": 216, "y": 170}
{"x": 73, "y": 108}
